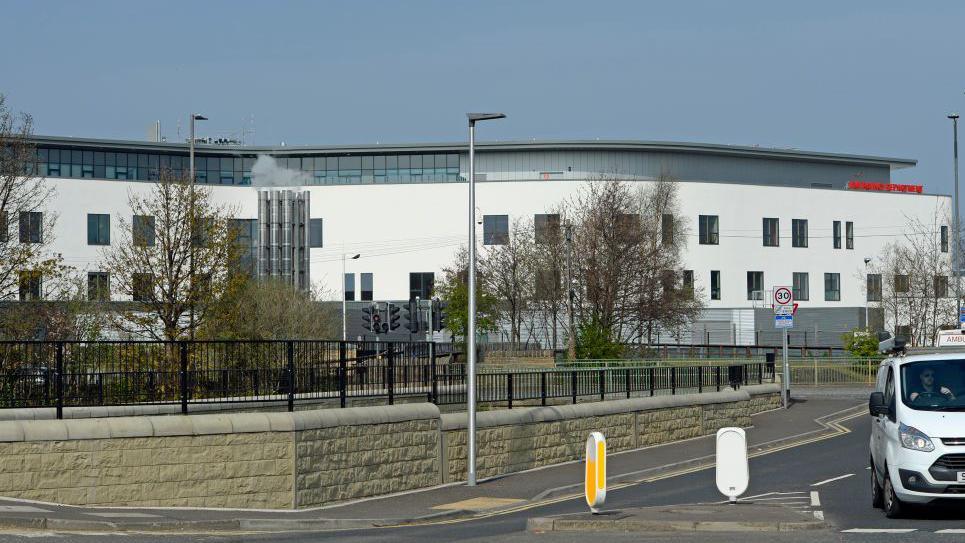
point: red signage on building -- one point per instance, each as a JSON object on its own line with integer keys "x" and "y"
{"x": 884, "y": 187}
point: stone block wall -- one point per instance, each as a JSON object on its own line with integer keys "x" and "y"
{"x": 320, "y": 457}
{"x": 366, "y": 452}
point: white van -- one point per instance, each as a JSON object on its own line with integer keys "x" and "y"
{"x": 918, "y": 427}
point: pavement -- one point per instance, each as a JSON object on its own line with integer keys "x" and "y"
{"x": 510, "y": 496}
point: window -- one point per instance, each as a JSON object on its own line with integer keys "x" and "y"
{"x": 849, "y": 235}
{"x": 627, "y": 226}
{"x": 714, "y": 284}
{"x": 366, "y": 287}
{"x": 709, "y": 229}
{"x": 771, "y": 236}
{"x": 836, "y": 233}
{"x": 666, "y": 229}
{"x": 30, "y": 285}
{"x": 832, "y": 287}
{"x": 204, "y": 228}
{"x": 143, "y": 230}
{"x": 547, "y": 284}
{"x": 801, "y": 286}
{"x": 4, "y": 227}
{"x": 495, "y": 229}
{"x": 547, "y": 228}
{"x": 902, "y": 284}
{"x": 420, "y": 285}
{"x": 98, "y": 286}
{"x": 142, "y": 287}
{"x": 944, "y": 236}
{"x": 31, "y": 227}
{"x": 98, "y": 229}
{"x": 799, "y": 232}
{"x": 315, "y": 233}
{"x": 687, "y": 281}
{"x": 873, "y": 286}
{"x": 755, "y": 285}
{"x": 941, "y": 286}
{"x": 902, "y": 331}
{"x": 349, "y": 287}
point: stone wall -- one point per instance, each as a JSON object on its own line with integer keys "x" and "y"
{"x": 520, "y": 439}
{"x": 310, "y": 458}
{"x": 365, "y": 452}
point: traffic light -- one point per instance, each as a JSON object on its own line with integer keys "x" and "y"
{"x": 412, "y": 317}
{"x": 377, "y": 325}
{"x": 438, "y": 314}
{"x": 393, "y": 312}
{"x": 367, "y": 315}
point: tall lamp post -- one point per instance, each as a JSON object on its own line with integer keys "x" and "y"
{"x": 471, "y": 332}
{"x": 356, "y": 257}
{"x": 955, "y": 226}
{"x": 191, "y": 225}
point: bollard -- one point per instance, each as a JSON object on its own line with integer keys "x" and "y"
{"x": 594, "y": 484}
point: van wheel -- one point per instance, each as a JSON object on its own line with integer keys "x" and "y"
{"x": 877, "y": 494}
{"x": 892, "y": 505}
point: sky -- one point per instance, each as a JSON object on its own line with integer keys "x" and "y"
{"x": 867, "y": 77}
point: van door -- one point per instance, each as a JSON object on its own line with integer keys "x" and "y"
{"x": 888, "y": 429}
{"x": 877, "y": 421}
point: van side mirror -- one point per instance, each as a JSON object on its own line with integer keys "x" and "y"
{"x": 876, "y": 404}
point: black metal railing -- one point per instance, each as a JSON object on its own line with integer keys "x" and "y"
{"x": 185, "y": 373}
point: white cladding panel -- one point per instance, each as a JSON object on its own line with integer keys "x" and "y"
{"x": 406, "y": 228}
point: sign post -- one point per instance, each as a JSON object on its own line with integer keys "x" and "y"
{"x": 784, "y": 319}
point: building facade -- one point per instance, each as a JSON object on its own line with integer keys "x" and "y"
{"x": 757, "y": 218}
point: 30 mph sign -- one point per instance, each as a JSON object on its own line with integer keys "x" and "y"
{"x": 783, "y": 296}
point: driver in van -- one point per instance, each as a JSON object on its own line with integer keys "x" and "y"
{"x": 927, "y": 386}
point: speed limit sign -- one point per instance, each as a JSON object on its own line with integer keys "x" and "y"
{"x": 783, "y": 296}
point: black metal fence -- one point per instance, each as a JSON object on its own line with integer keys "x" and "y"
{"x": 114, "y": 373}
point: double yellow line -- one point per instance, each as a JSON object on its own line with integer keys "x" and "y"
{"x": 834, "y": 424}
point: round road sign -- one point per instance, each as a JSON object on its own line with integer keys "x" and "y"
{"x": 783, "y": 296}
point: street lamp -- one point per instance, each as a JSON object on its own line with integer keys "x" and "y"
{"x": 191, "y": 225}
{"x": 867, "y": 293}
{"x": 471, "y": 332}
{"x": 955, "y": 226}
{"x": 356, "y": 257}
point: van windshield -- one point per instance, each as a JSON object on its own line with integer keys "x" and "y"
{"x": 934, "y": 385}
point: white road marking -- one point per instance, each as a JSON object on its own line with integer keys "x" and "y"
{"x": 831, "y": 480}
{"x": 879, "y": 531}
{"x": 120, "y": 514}
{"x": 22, "y": 509}
{"x": 951, "y": 531}
{"x": 785, "y": 498}
{"x": 815, "y": 499}
{"x": 819, "y": 515}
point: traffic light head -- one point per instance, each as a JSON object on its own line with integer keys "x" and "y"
{"x": 412, "y": 317}
{"x": 367, "y": 318}
{"x": 393, "y": 316}
{"x": 438, "y": 315}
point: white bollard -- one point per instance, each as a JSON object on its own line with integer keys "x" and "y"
{"x": 595, "y": 482}
{"x": 733, "y": 474}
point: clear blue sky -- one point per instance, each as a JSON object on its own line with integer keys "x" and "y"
{"x": 859, "y": 77}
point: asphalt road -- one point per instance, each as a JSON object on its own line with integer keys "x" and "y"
{"x": 834, "y": 469}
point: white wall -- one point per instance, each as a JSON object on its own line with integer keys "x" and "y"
{"x": 418, "y": 228}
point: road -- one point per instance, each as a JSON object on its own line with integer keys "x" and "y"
{"x": 828, "y": 477}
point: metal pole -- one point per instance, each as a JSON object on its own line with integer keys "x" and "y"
{"x": 785, "y": 385}
{"x": 191, "y": 226}
{"x": 471, "y": 332}
{"x": 571, "y": 335}
{"x": 344, "y": 335}
{"x": 956, "y": 228}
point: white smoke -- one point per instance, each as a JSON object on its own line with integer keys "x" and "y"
{"x": 267, "y": 173}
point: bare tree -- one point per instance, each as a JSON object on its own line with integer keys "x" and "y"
{"x": 628, "y": 257}
{"x": 916, "y": 295}
{"x": 152, "y": 260}
{"x": 549, "y": 274}
{"x": 23, "y": 195}
{"x": 507, "y": 272}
